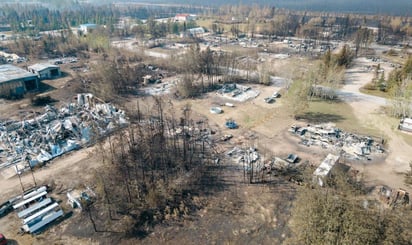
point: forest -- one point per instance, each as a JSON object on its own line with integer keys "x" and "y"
{"x": 398, "y": 7}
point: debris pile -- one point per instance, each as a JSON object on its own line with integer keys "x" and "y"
{"x": 276, "y": 164}
{"x": 159, "y": 88}
{"x": 238, "y": 92}
{"x": 329, "y": 137}
{"x": 57, "y": 131}
{"x": 76, "y": 198}
{"x": 242, "y": 156}
{"x": 393, "y": 198}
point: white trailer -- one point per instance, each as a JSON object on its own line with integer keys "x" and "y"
{"x": 324, "y": 169}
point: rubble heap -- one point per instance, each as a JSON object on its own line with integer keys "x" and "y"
{"x": 329, "y": 137}
{"x": 244, "y": 156}
{"x": 57, "y": 131}
{"x": 238, "y": 92}
{"x": 393, "y": 197}
{"x": 248, "y": 155}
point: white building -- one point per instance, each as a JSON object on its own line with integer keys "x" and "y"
{"x": 87, "y": 28}
{"x": 184, "y": 17}
{"x": 324, "y": 169}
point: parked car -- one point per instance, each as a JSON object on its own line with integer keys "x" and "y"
{"x": 276, "y": 94}
{"x": 6, "y": 208}
{"x": 3, "y": 240}
{"x": 269, "y": 100}
{"x": 230, "y": 124}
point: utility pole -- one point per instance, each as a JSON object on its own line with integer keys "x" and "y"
{"x": 31, "y": 170}
{"x": 19, "y": 173}
{"x": 32, "y": 174}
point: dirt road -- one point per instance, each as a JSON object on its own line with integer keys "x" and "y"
{"x": 367, "y": 109}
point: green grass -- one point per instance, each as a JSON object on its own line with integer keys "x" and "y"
{"x": 339, "y": 113}
{"x": 375, "y": 92}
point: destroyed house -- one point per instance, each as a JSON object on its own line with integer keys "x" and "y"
{"x": 45, "y": 70}
{"x": 57, "y": 131}
{"x": 15, "y": 81}
{"x": 325, "y": 168}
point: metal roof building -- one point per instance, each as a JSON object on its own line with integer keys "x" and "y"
{"x": 15, "y": 81}
{"x": 86, "y": 28}
{"x": 324, "y": 169}
{"x": 45, "y": 70}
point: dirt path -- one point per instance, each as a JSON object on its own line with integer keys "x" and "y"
{"x": 368, "y": 111}
{"x": 68, "y": 171}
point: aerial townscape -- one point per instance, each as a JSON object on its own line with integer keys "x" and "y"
{"x": 205, "y": 122}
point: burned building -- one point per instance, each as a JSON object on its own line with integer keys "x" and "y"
{"x": 15, "y": 81}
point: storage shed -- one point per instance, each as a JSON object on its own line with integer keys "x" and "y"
{"x": 45, "y": 70}
{"x": 15, "y": 81}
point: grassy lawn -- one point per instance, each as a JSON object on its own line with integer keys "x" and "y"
{"x": 375, "y": 93}
{"x": 339, "y": 113}
{"x": 207, "y": 23}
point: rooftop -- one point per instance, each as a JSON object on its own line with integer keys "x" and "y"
{"x": 11, "y": 72}
{"x": 42, "y": 66}
{"x": 89, "y": 25}
{"x": 326, "y": 166}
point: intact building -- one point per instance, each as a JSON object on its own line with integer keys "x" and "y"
{"x": 184, "y": 17}
{"x": 84, "y": 29}
{"x": 15, "y": 81}
{"x": 45, "y": 70}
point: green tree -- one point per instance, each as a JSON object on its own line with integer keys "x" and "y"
{"x": 298, "y": 96}
{"x": 344, "y": 57}
{"x": 341, "y": 213}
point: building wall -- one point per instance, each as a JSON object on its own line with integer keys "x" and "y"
{"x": 49, "y": 73}
{"x": 14, "y": 89}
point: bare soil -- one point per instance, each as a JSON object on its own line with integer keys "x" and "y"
{"x": 236, "y": 212}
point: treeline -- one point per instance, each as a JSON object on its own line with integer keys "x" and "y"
{"x": 280, "y": 22}
{"x": 267, "y": 20}
{"x": 152, "y": 170}
{"x": 397, "y": 86}
{"x": 399, "y": 7}
{"x": 40, "y": 18}
{"x": 155, "y": 29}
{"x": 320, "y": 82}
{"x": 342, "y": 213}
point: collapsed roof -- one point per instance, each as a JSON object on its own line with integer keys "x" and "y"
{"x": 26, "y": 143}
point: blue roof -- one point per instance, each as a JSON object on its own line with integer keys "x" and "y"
{"x": 10, "y": 72}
